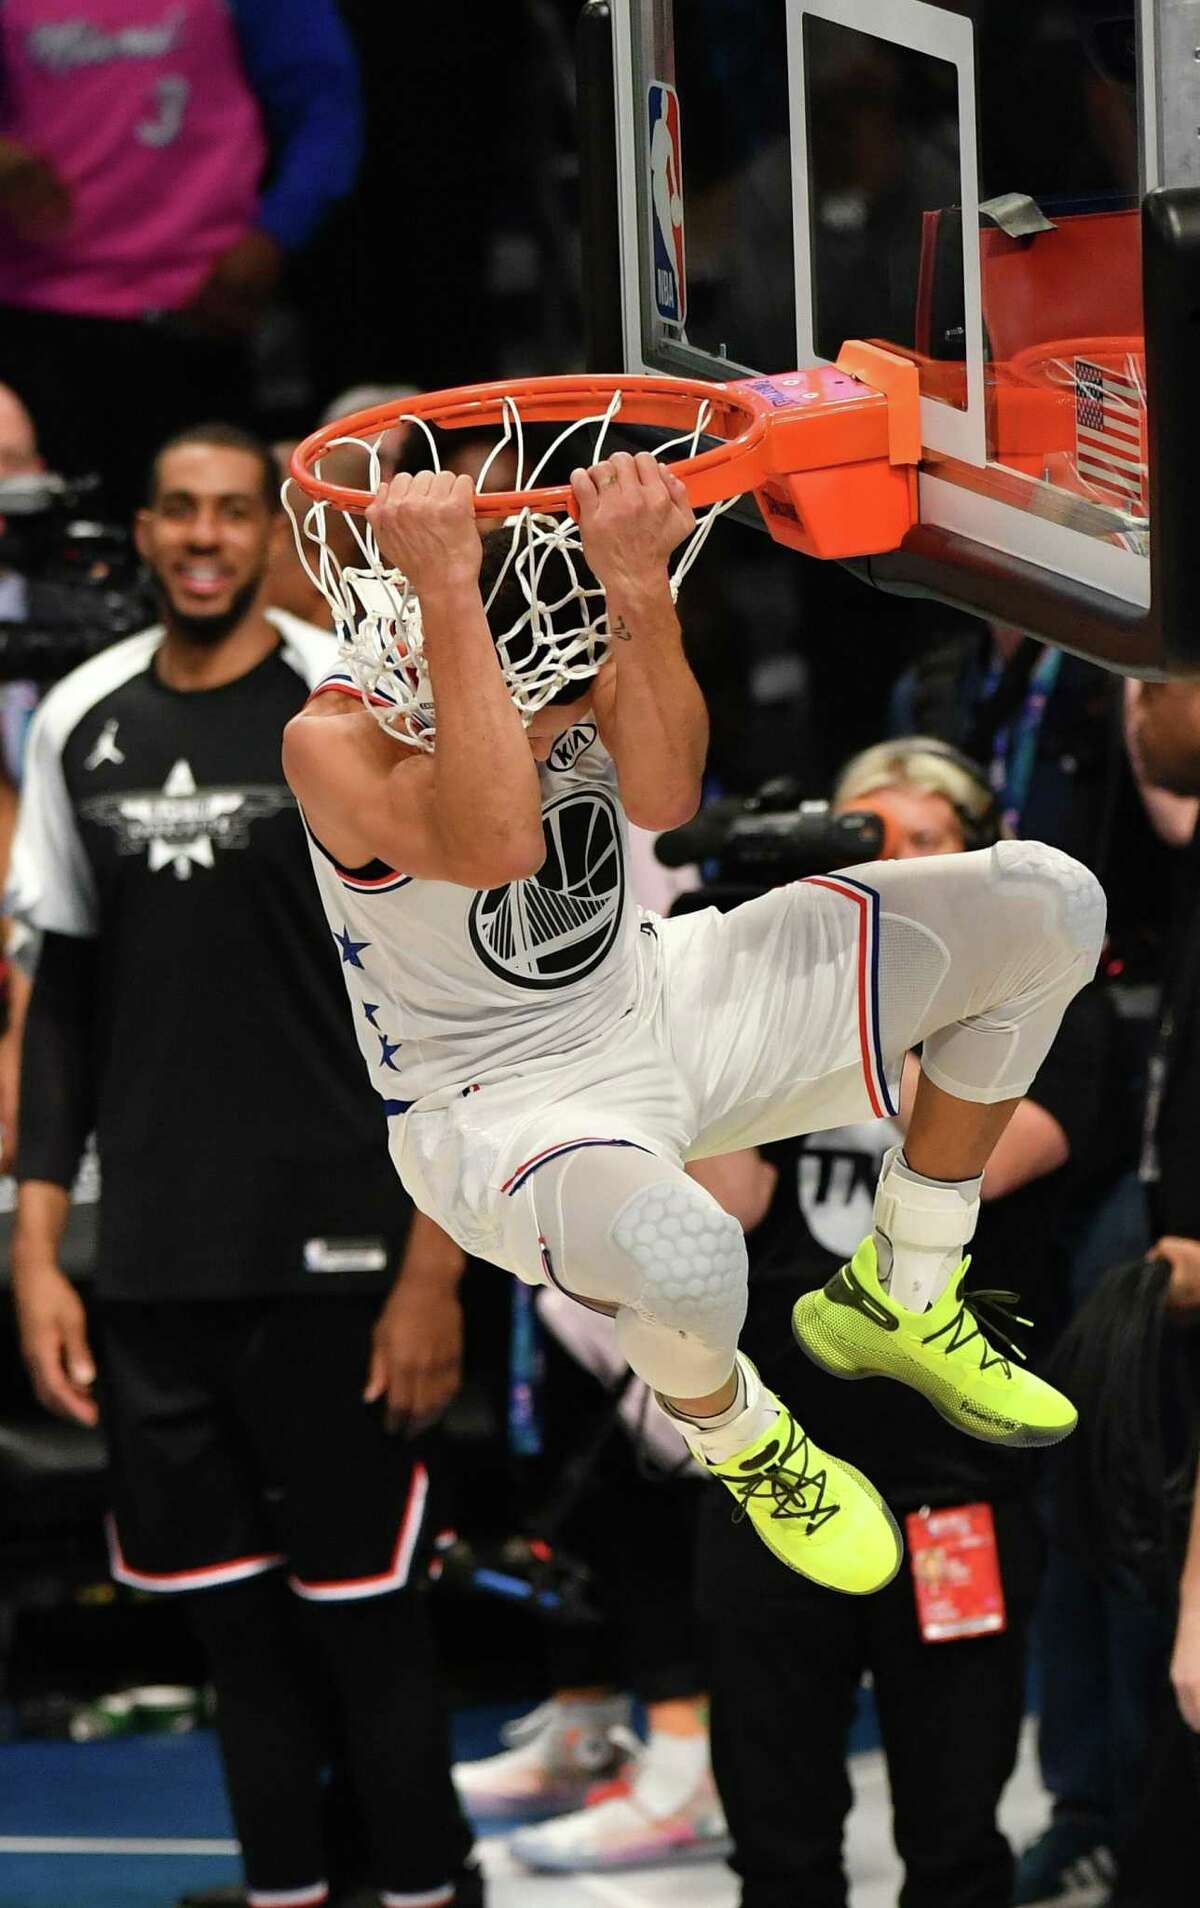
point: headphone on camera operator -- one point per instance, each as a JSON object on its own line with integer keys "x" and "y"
{"x": 927, "y": 766}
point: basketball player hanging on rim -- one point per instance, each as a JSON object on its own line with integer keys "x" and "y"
{"x": 551, "y": 1057}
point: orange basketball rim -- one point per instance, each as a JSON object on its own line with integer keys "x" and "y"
{"x": 830, "y": 453}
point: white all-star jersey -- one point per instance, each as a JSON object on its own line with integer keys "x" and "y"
{"x": 449, "y": 983}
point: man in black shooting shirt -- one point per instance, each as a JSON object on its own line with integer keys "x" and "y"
{"x": 187, "y": 1006}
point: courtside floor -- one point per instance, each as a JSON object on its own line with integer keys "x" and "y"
{"x": 128, "y": 1824}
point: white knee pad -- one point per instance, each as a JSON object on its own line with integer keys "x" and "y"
{"x": 1075, "y": 900}
{"x": 690, "y": 1261}
{"x": 627, "y": 1232}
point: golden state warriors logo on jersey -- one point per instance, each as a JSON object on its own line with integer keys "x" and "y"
{"x": 558, "y": 926}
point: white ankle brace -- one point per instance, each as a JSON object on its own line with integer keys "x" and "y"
{"x": 922, "y": 1227}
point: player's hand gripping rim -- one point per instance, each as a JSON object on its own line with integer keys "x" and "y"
{"x": 633, "y": 512}
{"x": 425, "y": 527}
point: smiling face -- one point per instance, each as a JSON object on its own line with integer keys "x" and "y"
{"x": 206, "y": 536}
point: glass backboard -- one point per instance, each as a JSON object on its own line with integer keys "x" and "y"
{"x": 962, "y": 183}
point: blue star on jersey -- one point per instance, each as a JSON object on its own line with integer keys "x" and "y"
{"x": 370, "y": 1008}
{"x": 388, "y": 1048}
{"x": 351, "y": 949}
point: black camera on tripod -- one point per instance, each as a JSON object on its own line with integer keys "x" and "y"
{"x": 84, "y": 587}
{"x": 746, "y": 844}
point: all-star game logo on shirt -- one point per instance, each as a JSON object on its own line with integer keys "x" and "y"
{"x": 557, "y": 926}
{"x": 181, "y": 826}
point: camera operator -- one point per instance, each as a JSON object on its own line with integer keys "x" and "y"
{"x": 250, "y": 1364}
{"x": 945, "y": 1644}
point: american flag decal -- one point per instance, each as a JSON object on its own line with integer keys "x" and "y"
{"x": 1110, "y": 434}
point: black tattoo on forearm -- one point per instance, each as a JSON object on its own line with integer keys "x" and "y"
{"x": 621, "y": 630}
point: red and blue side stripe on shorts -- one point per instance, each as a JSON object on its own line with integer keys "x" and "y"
{"x": 530, "y": 1166}
{"x": 866, "y": 900}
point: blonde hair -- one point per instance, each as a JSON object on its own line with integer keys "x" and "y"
{"x": 923, "y": 763}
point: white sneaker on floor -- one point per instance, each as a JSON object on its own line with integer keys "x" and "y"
{"x": 667, "y": 1811}
{"x": 551, "y": 1759}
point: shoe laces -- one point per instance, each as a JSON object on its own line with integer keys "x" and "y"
{"x": 794, "y": 1490}
{"x": 984, "y": 1315}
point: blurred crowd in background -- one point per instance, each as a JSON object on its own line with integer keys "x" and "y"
{"x": 390, "y": 253}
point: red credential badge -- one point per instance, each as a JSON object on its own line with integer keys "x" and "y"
{"x": 956, "y": 1572}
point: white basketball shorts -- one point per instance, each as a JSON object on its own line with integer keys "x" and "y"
{"x": 747, "y": 1027}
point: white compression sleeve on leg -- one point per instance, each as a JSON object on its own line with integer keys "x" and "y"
{"x": 922, "y": 1228}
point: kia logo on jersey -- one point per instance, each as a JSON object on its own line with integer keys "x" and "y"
{"x": 558, "y": 926}
{"x": 666, "y": 204}
{"x": 573, "y": 743}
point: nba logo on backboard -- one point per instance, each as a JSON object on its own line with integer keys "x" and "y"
{"x": 666, "y": 204}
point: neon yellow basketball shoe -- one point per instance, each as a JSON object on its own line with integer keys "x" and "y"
{"x": 957, "y": 1354}
{"x": 820, "y": 1517}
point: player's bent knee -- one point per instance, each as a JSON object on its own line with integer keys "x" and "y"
{"x": 1078, "y": 908}
{"x": 689, "y": 1259}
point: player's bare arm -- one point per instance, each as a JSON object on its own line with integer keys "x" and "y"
{"x": 632, "y": 513}
{"x": 471, "y": 813}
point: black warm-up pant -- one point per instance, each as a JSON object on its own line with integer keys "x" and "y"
{"x": 293, "y": 1681}
{"x": 786, "y": 1661}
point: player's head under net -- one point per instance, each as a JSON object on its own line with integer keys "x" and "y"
{"x": 513, "y": 619}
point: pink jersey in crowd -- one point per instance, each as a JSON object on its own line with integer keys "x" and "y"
{"x": 144, "y": 110}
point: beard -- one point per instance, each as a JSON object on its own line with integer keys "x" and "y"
{"x": 207, "y": 631}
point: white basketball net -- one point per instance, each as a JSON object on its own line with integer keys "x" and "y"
{"x": 561, "y": 636}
